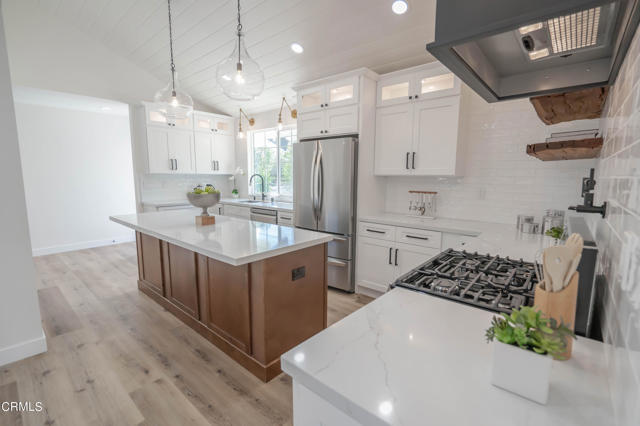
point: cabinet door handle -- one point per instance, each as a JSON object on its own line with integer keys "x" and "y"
{"x": 217, "y": 165}
{"x": 213, "y": 165}
{"x": 406, "y": 162}
{"x": 170, "y": 163}
{"x": 375, "y": 231}
{"x": 416, "y": 97}
{"x": 176, "y": 160}
{"x": 410, "y": 97}
{"x": 413, "y": 161}
{"x": 396, "y": 261}
{"x": 415, "y": 237}
{"x": 390, "y": 250}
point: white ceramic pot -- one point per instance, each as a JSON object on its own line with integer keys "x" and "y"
{"x": 521, "y": 371}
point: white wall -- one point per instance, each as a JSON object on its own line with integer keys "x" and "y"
{"x": 21, "y": 333}
{"x": 500, "y": 179}
{"x": 78, "y": 170}
{"x": 618, "y": 183}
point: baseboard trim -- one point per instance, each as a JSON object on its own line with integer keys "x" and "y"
{"x": 82, "y": 245}
{"x": 23, "y": 350}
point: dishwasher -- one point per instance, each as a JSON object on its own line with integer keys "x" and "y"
{"x": 264, "y": 215}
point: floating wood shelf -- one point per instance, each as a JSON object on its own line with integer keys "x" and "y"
{"x": 569, "y": 106}
{"x": 566, "y": 150}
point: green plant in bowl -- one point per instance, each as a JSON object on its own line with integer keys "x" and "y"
{"x": 530, "y": 330}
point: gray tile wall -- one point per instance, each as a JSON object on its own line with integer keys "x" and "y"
{"x": 618, "y": 177}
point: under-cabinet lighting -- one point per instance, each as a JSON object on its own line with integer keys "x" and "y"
{"x": 530, "y": 28}
{"x": 537, "y": 54}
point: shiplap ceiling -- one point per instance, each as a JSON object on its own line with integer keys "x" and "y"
{"x": 337, "y": 36}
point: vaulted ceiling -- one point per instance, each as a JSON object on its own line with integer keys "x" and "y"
{"x": 337, "y": 36}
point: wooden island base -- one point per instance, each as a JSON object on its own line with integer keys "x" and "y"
{"x": 254, "y": 312}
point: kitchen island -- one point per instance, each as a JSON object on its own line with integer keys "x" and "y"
{"x": 253, "y": 289}
{"x": 413, "y": 359}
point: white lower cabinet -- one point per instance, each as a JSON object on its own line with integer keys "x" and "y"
{"x": 381, "y": 261}
{"x": 285, "y": 218}
{"x": 374, "y": 265}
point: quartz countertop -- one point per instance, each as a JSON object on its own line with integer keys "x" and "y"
{"x": 276, "y": 205}
{"x": 489, "y": 238}
{"x": 414, "y": 359}
{"x": 231, "y": 240}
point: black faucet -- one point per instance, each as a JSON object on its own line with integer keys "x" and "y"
{"x": 588, "y": 184}
{"x": 261, "y": 184}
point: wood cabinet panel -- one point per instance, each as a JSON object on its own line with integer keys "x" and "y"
{"x": 150, "y": 261}
{"x": 224, "y": 301}
{"x": 182, "y": 284}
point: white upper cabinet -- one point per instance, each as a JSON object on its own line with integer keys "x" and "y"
{"x": 393, "y": 139}
{"x": 202, "y": 143}
{"x": 335, "y": 93}
{"x": 417, "y": 122}
{"x": 424, "y": 82}
{"x": 435, "y": 136}
{"x": 169, "y": 150}
{"x": 204, "y": 122}
{"x": 155, "y": 117}
{"x": 330, "y": 107}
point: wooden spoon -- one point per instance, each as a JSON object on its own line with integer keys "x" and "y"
{"x": 557, "y": 261}
{"x": 576, "y": 244}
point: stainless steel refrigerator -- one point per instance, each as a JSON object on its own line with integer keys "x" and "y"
{"x": 324, "y": 193}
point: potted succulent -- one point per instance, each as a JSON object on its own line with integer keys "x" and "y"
{"x": 526, "y": 343}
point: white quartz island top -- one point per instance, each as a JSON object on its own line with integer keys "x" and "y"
{"x": 489, "y": 238}
{"x": 414, "y": 359}
{"x": 231, "y": 240}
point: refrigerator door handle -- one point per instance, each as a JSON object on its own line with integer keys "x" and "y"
{"x": 320, "y": 173}
{"x": 313, "y": 183}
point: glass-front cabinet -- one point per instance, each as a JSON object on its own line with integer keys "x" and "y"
{"x": 155, "y": 116}
{"x": 424, "y": 82}
{"x": 337, "y": 93}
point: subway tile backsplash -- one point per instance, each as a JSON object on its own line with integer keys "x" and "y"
{"x": 160, "y": 187}
{"x": 500, "y": 180}
{"x": 618, "y": 176}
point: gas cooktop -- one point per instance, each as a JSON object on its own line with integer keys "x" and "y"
{"x": 495, "y": 283}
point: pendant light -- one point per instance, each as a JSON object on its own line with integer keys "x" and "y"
{"x": 175, "y": 103}
{"x": 240, "y": 76}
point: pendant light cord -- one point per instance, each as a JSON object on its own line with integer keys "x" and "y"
{"x": 173, "y": 65}
{"x": 239, "y": 27}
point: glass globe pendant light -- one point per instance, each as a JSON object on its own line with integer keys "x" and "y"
{"x": 240, "y": 76}
{"x": 175, "y": 104}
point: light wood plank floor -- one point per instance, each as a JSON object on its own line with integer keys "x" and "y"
{"x": 117, "y": 358}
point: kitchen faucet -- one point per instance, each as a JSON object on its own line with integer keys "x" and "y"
{"x": 261, "y": 185}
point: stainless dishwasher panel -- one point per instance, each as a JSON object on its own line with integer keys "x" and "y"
{"x": 264, "y": 215}
{"x": 340, "y": 274}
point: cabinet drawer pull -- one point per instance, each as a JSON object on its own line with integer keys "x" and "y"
{"x": 376, "y": 231}
{"x": 406, "y": 162}
{"x": 390, "y": 249}
{"x": 415, "y": 237}
{"x": 396, "y": 261}
{"x": 285, "y": 218}
{"x": 413, "y": 161}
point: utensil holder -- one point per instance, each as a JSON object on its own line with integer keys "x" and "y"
{"x": 559, "y": 305}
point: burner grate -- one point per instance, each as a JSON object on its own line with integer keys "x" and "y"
{"x": 495, "y": 283}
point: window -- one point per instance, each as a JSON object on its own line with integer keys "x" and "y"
{"x": 271, "y": 156}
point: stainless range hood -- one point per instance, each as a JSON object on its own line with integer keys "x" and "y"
{"x": 506, "y": 49}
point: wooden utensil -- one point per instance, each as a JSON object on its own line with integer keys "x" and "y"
{"x": 557, "y": 261}
{"x": 576, "y": 244}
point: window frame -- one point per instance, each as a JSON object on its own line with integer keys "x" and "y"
{"x": 251, "y": 157}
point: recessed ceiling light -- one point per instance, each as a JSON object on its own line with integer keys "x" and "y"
{"x": 399, "y": 7}
{"x": 226, "y": 77}
{"x": 297, "y": 48}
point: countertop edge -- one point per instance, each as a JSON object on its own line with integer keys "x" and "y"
{"x": 420, "y": 225}
{"x": 231, "y": 261}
